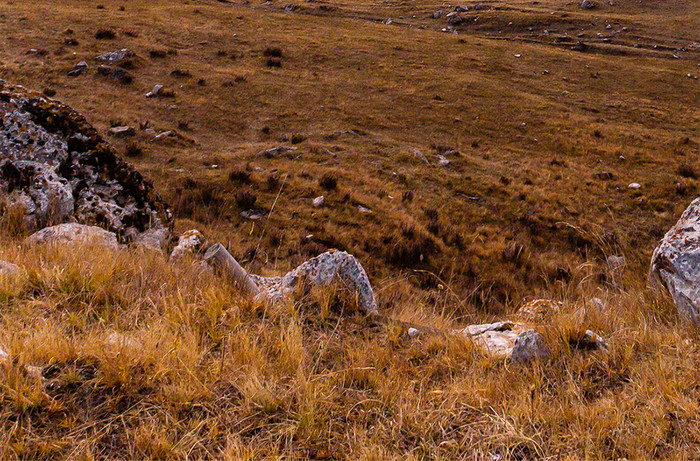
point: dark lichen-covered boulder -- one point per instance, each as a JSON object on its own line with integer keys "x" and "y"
{"x": 56, "y": 166}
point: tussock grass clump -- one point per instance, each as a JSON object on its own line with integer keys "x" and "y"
{"x": 105, "y": 34}
{"x": 328, "y": 181}
{"x": 133, "y": 150}
{"x": 246, "y": 198}
{"x": 273, "y": 62}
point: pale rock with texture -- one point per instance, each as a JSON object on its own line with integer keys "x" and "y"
{"x": 675, "y": 263}
{"x": 321, "y": 271}
{"x": 72, "y": 233}
{"x": 190, "y": 244}
{"x": 8, "y": 269}
{"x": 497, "y": 339}
{"x": 116, "y": 55}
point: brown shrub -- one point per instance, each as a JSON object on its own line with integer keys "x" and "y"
{"x": 246, "y": 199}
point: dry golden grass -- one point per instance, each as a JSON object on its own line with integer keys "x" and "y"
{"x": 518, "y": 213}
{"x": 197, "y": 372}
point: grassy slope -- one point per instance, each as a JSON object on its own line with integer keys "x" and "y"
{"x": 331, "y": 386}
{"x": 529, "y": 142}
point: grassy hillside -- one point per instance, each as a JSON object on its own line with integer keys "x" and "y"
{"x": 517, "y": 209}
{"x": 542, "y": 143}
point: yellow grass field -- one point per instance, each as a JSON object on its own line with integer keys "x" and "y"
{"x": 374, "y": 98}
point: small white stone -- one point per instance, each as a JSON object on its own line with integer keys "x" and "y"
{"x": 319, "y": 201}
{"x": 412, "y": 332}
{"x": 634, "y": 185}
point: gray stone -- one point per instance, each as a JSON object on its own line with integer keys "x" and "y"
{"x": 122, "y": 131}
{"x": 587, "y": 4}
{"x": 79, "y": 69}
{"x": 675, "y": 263}
{"x": 155, "y": 91}
{"x": 73, "y": 233}
{"x": 276, "y": 151}
{"x": 190, "y": 244}
{"x": 115, "y": 56}
{"x": 529, "y": 346}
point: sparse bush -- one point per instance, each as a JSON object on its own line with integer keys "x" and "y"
{"x": 328, "y": 182}
{"x": 275, "y": 237}
{"x": 105, "y": 34}
{"x": 245, "y": 199}
{"x": 156, "y": 54}
{"x": 298, "y": 138}
{"x": 273, "y": 182}
{"x": 273, "y": 62}
{"x": 687, "y": 170}
{"x": 240, "y": 176}
{"x": 273, "y": 52}
{"x": 133, "y": 150}
{"x": 432, "y": 214}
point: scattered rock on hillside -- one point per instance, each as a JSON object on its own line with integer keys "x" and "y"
{"x": 635, "y": 185}
{"x": 276, "y": 151}
{"x": 157, "y": 89}
{"x": 121, "y": 131}
{"x": 71, "y": 233}
{"x": 321, "y": 271}
{"x": 79, "y": 69}
{"x": 319, "y": 201}
{"x": 588, "y": 5}
{"x": 191, "y": 243}
{"x": 58, "y": 167}
{"x": 497, "y": 339}
{"x": 675, "y": 263}
{"x": 115, "y": 56}
{"x": 529, "y": 345}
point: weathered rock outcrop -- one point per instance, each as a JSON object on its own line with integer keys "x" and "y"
{"x": 56, "y": 166}
{"x": 71, "y": 233}
{"x": 676, "y": 263}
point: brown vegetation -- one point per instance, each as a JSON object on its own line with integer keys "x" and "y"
{"x": 541, "y": 149}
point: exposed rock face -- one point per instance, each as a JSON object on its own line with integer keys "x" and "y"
{"x": 320, "y": 271}
{"x": 58, "y": 167}
{"x": 676, "y": 263}
{"x": 74, "y": 233}
{"x": 497, "y": 339}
